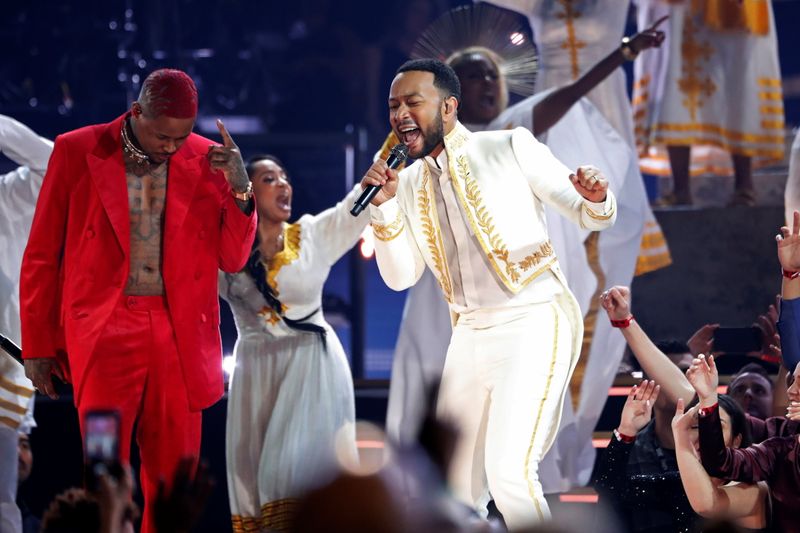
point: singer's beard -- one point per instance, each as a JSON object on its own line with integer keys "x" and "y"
{"x": 431, "y": 138}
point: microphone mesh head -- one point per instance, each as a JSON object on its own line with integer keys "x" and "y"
{"x": 400, "y": 151}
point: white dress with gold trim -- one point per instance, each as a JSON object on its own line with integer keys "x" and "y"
{"x": 714, "y": 84}
{"x": 291, "y": 408}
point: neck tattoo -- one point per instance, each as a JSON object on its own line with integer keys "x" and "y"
{"x": 129, "y": 149}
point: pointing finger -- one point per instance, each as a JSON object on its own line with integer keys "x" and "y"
{"x": 658, "y": 22}
{"x": 227, "y": 140}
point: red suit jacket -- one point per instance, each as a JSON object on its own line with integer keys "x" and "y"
{"x": 76, "y": 263}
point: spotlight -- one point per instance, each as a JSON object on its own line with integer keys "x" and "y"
{"x": 367, "y": 246}
{"x": 228, "y": 364}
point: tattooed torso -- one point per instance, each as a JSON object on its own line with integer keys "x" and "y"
{"x": 147, "y": 194}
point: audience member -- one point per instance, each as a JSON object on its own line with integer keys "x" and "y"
{"x": 643, "y": 488}
{"x": 109, "y": 508}
{"x": 773, "y": 461}
{"x": 745, "y": 503}
{"x": 30, "y": 522}
{"x": 752, "y": 389}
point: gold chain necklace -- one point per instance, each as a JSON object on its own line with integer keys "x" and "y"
{"x": 130, "y": 150}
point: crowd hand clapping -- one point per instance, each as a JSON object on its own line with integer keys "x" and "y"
{"x": 638, "y": 408}
{"x": 704, "y": 378}
{"x": 767, "y": 323}
{"x": 789, "y": 245}
{"x": 682, "y": 425}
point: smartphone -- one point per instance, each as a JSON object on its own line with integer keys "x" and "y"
{"x": 737, "y": 340}
{"x": 101, "y": 445}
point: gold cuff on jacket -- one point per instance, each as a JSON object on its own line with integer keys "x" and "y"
{"x": 597, "y": 216}
{"x": 388, "y": 232}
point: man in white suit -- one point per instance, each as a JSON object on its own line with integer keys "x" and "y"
{"x": 19, "y": 190}
{"x": 470, "y": 209}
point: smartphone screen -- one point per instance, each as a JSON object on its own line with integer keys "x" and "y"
{"x": 102, "y": 436}
{"x": 737, "y": 340}
{"x": 100, "y": 444}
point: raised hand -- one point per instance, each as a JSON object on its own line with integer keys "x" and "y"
{"x": 652, "y": 37}
{"x": 703, "y": 340}
{"x": 380, "y": 175}
{"x": 590, "y": 183}
{"x": 638, "y": 409}
{"x": 703, "y": 376}
{"x": 683, "y": 423}
{"x": 114, "y": 497}
{"x": 228, "y": 159}
{"x": 789, "y": 245}
{"x": 770, "y": 340}
{"x": 617, "y": 302}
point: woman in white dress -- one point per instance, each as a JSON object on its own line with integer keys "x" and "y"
{"x": 291, "y": 408}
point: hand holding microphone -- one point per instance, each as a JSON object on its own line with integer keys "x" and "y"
{"x": 380, "y": 181}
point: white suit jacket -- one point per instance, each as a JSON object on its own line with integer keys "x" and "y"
{"x": 501, "y": 179}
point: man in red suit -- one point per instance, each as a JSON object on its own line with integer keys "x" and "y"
{"x": 134, "y": 219}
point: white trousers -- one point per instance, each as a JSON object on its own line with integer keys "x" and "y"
{"x": 503, "y": 385}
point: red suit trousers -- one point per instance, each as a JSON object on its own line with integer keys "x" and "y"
{"x": 135, "y": 369}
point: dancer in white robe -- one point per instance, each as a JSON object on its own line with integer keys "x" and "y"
{"x": 291, "y": 406}
{"x": 714, "y": 87}
{"x": 19, "y": 190}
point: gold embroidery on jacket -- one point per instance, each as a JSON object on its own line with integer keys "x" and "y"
{"x": 486, "y": 224}
{"x": 482, "y": 223}
{"x": 388, "y": 232}
{"x": 433, "y": 235}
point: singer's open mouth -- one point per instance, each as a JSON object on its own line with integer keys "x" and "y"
{"x": 408, "y": 136}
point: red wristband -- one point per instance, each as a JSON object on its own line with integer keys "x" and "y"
{"x": 705, "y": 411}
{"x": 624, "y": 323}
{"x": 769, "y": 358}
{"x": 627, "y": 439}
{"x": 789, "y": 274}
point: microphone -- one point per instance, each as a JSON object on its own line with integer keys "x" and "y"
{"x": 397, "y": 157}
{"x": 10, "y": 348}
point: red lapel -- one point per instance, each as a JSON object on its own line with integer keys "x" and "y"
{"x": 183, "y": 178}
{"x": 108, "y": 174}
